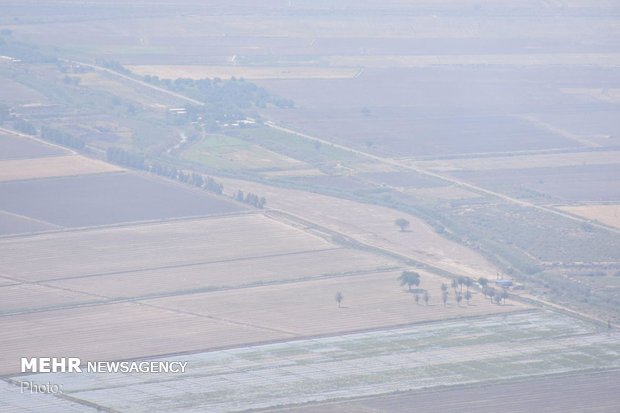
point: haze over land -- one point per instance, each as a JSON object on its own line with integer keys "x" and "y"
{"x": 314, "y": 199}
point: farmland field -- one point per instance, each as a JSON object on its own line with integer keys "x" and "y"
{"x": 225, "y": 72}
{"x": 522, "y": 161}
{"x": 15, "y": 224}
{"x": 88, "y": 252}
{"x": 606, "y": 214}
{"x": 228, "y": 273}
{"x": 466, "y": 142}
{"x": 556, "y": 394}
{"x": 374, "y": 225}
{"x": 107, "y": 199}
{"x": 117, "y": 331}
{"x": 12, "y": 147}
{"x": 308, "y": 308}
{"x": 56, "y": 166}
{"x": 228, "y": 153}
{"x": 508, "y": 346}
{"x": 589, "y": 183}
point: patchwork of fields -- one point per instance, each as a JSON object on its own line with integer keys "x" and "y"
{"x": 510, "y": 346}
{"x": 491, "y": 128}
{"x": 214, "y": 282}
{"x": 44, "y": 187}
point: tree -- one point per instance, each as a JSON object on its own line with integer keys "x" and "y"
{"x": 444, "y": 287}
{"x": 483, "y": 282}
{"x": 417, "y": 298}
{"x": 489, "y": 292}
{"x": 339, "y": 297}
{"x": 504, "y": 295}
{"x": 444, "y": 297}
{"x": 402, "y": 223}
{"x": 468, "y": 296}
{"x": 459, "y": 298}
{"x": 455, "y": 285}
{"x": 497, "y": 297}
{"x": 468, "y": 282}
{"x": 409, "y": 278}
{"x": 426, "y": 297}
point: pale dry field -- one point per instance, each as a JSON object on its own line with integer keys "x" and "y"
{"x": 521, "y": 161}
{"x": 607, "y": 60}
{"x": 53, "y": 166}
{"x": 374, "y": 225}
{"x": 245, "y": 72}
{"x": 28, "y": 297}
{"x": 609, "y": 95}
{"x": 97, "y": 251}
{"x": 309, "y": 307}
{"x": 228, "y": 274}
{"x": 605, "y": 214}
{"x": 115, "y": 332}
{"x": 130, "y": 90}
{"x": 295, "y": 173}
{"x": 450, "y": 192}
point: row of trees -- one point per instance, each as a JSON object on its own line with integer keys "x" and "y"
{"x": 62, "y": 138}
{"x": 24, "y": 126}
{"x": 49, "y": 134}
{"x": 250, "y": 199}
{"x": 412, "y": 278}
{"x": 134, "y": 160}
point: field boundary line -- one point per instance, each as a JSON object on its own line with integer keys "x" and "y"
{"x": 193, "y": 264}
{"x": 40, "y": 221}
{"x": 62, "y": 230}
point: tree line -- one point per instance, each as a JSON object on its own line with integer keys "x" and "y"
{"x": 251, "y": 199}
{"x": 135, "y": 160}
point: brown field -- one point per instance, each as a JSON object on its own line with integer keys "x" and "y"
{"x": 397, "y": 130}
{"x": 578, "y": 393}
{"x": 108, "y": 198}
{"x": 605, "y": 214}
{"x": 308, "y": 308}
{"x": 374, "y": 225}
{"x": 588, "y": 183}
{"x": 225, "y": 72}
{"x": 13, "y": 170}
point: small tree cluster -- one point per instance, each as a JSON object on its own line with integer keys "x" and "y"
{"x": 250, "y": 199}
